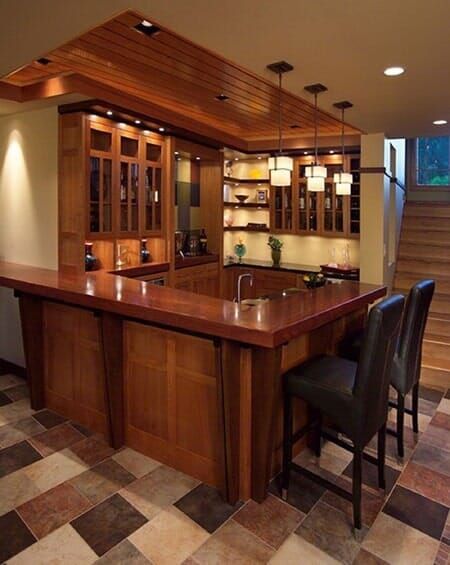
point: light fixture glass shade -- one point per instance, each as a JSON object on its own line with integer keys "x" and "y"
{"x": 316, "y": 171}
{"x": 281, "y": 162}
{"x": 346, "y": 178}
{"x": 315, "y": 184}
{"x": 280, "y": 177}
{"x": 343, "y": 189}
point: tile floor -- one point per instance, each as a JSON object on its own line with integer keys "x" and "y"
{"x": 67, "y": 498}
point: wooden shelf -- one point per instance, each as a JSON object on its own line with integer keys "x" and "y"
{"x": 246, "y": 181}
{"x": 245, "y": 228}
{"x": 246, "y": 204}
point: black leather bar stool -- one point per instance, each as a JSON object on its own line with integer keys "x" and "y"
{"x": 352, "y": 396}
{"x": 407, "y": 362}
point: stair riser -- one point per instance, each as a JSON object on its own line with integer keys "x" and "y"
{"x": 430, "y": 224}
{"x": 426, "y": 269}
{"x": 425, "y": 237}
{"x": 436, "y": 351}
{"x": 434, "y": 210}
{"x": 426, "y": 252}
{"x": 438, "y": 327}
{"x": 405, "y": 282}
{"x": 440, "y": 307}
{"x": 435, "y": 378}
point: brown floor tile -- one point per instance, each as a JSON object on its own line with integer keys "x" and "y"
{"x": 18, "y": 431}
{"x": 157, "y": 490}
{"x": 17, "y": 456}
{"x": 436, "y": 436}
{"x": 443, "y": 554}
{"x": 171, "y": 537}
{"x": 366, "y": 558}
{"x": 399, "y": 544}
{"x": 370, "y": 475}
{"x": 417, "y": 511}
{"x": 441, "y": 420}
{"x": 430, "y": 394}
{"x": 8, "y": 380}
{"x": 109, "y": 523}
{"x": 55, "y": 439}
{"x": 125, "y": 552}
{"x": 303, "y": 493}
{"x": 92, "y": 450}
{"x": 432, "y": 457}
{"x": 15, "y": 411}
{"x": 4, "y": 399}
{"x": 272, "y": 520}
{"x": 233, "y": 544}
{"x": 206, "y": 506}
{"x": 52, "y": 509}
{"x": 371, "y": 503}
{"x": 85, "y": 431}
{"x": 18, "y": 392}
{"x": 48, "y": 418}
{"x": 15, "y": 536}
{"x": 331, "y": 531}
{"x": 136, "y": 463}
{"x": 102, "y": 481}
{"x": 426, "y": 482}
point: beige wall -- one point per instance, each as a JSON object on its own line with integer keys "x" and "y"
{"x": 28, "y": 207}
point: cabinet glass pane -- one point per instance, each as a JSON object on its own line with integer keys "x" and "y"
{"x": 129, "y": 147}
{"x": 124, "y": 196}
{"x": 107, "y": 195}
{"x": 157, "y": 199}
{"x": 94, "y": 224}
{"x": 153, "y": 152}
{"x": 95, "y": 179}
{"x": 101, "y": 140}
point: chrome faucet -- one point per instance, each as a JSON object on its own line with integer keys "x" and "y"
{"x": 239, "y": 284}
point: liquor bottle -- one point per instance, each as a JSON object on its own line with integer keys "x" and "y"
{"x": 203, "y": 240}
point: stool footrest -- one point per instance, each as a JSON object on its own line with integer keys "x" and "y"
{"x": 345, "y": 445}
{"x": 321, "y": 481}
{"x": 409, "y": 411}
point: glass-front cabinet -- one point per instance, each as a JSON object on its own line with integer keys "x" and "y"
{"x": 152, "y": 188}
{"x": 355, "y": 197}
{"x": 129, "y": 184}
{"x": 100, "y": 193}
{"x": 282, "y": 207}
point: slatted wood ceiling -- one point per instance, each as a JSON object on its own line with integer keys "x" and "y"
{"x": 173, "y": 73}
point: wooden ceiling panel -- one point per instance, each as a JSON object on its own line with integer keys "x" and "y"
{"x": 173, "y": 73}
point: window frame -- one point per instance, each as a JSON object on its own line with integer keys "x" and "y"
{"x": 411, "y": 159}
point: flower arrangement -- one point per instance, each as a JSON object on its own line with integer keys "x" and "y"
{"x": 274, "y": 243}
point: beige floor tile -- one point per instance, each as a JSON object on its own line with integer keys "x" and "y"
{"x": 15, "y": 489}
{"x": 15, "y": 411}
{"x": 398, "y": 543}
{"x": 327, "y": 461}
{"x": 296, "y": 550}
{"x": 424, "y": 420}
{"x": 157, "y": 490}
{"x": 54, "y": 470}
{"x": 233, "y": 544}
{"x": 170, "y": 538}
{"x": 135, "y": 463}
{"x": 444, "y": 406}
{"x": 7, "y": 381}
{"x": 18, "y": 431}
{"x": 62, "y": 547}
{"x": 340, "y": 452}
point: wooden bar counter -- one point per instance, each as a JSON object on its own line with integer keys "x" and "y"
{"x": 190, "y": 380}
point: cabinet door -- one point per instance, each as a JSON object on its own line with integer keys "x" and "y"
{"x": 333, "y": 211}
{"x": 129, "y": 184}
{"x": 281, "y": 203}
{"x": 152, "y": 153}
{"x": 308, "y": 212}
{"x": 100, "y": 220}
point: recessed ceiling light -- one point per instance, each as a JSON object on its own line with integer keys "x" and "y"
{"x": 121, "y": 125}
{"x": 236, "y": 158}
{"x": 394, "y": 71}
{"x": 147, "y": 28}
{"x": 137, "y": 122}
{"x": 305, "y": 152}
{"x": 146, "y": 23}
{"x": 176, "y": 152}
{"x": 43, "y": 61}
{"x": 197, "y": 158}
{"x": 259, "y": 157}
{"x": 161, "y": 129}
{"x": 222, "y": 97}
{"x": 331, "y": 151}
{"x": 109, "y": 113}
{"x": 440, "y": 122}
{"x": 146, "y": 131}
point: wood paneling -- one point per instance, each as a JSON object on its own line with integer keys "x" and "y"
{"x": 73, "y": 376}
{"x": 174, "y": 74}
{"x": 202, "y": 279}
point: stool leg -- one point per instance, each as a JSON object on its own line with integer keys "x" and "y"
{"x": 381, "y": 456}
{"x": 415, "y": 408}
{"x": 400, "y": 423}
{"x": 287, "y": 445}
{"x": 356, "y": 487}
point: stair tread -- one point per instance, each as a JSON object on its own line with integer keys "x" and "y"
{"x": 432, "y": 363}
{"x": 436, "y": 338}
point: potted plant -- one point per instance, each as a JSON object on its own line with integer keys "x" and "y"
{"x": 275, "y": 245}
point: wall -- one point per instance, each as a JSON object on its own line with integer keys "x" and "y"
{"x": 28, "y": 207}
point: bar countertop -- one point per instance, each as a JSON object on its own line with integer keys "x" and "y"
{"x": 269, "y": 324}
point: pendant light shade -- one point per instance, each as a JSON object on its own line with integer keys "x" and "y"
{"x": 280, "y": 166}
{"x": 315, "y": 174}
{"x": 343, "y": 181}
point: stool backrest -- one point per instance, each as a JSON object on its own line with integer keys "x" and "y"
{"x": 375, "y": 362}
{"x": 408, "y": 357}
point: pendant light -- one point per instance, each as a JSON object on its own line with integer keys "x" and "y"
{"x": 315, "y": 174}
{"x": 343, "y": 181}
{"x": 280, "y": 166}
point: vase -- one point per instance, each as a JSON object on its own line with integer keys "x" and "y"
{"x": 240, "y": 251}
{"x": 276, "y": 257}
{"x": 145, "y": 253}
{"x": 90, "y": 260}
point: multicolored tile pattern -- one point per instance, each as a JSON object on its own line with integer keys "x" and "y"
{"x": 66, "y": 497}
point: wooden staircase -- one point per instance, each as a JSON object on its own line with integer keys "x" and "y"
{"x": 424, "y": 252}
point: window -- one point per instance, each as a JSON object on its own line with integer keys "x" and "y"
{"x": 433, "y": 161}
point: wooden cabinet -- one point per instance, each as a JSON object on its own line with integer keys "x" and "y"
{"x": 202, "y": 279}
{"x": 281, "y": 217}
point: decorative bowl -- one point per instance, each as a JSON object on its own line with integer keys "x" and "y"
{"x": 241, "y": 197}
{"x": 314, "y": 280}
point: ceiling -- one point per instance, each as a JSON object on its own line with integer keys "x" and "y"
{"x": 344, "y": 45}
